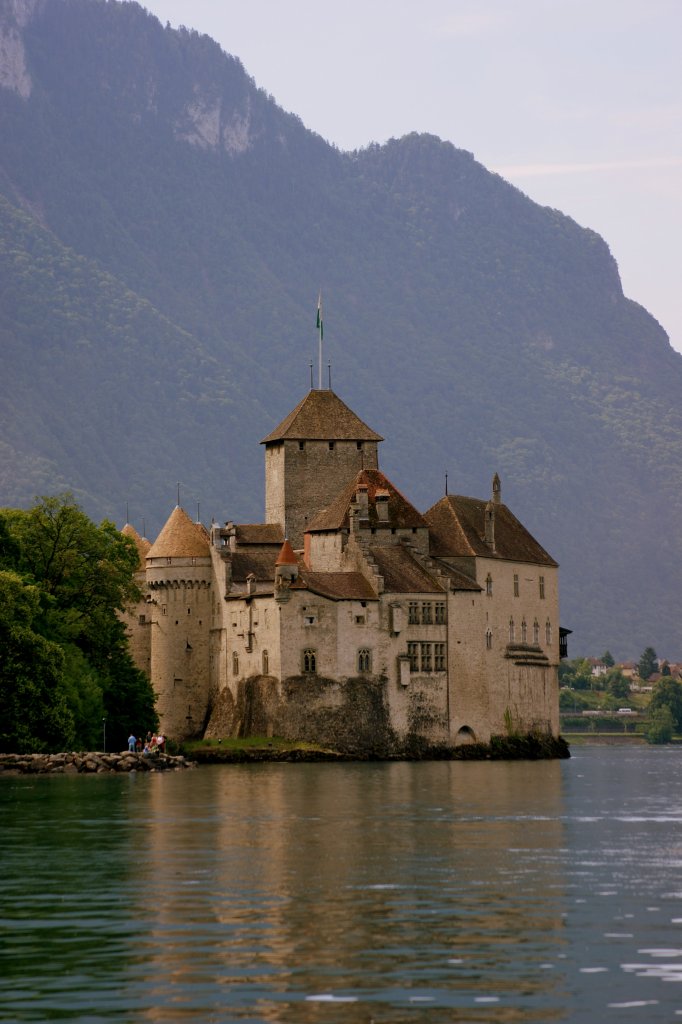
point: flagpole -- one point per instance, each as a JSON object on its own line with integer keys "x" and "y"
{"x": 320, "y": 329}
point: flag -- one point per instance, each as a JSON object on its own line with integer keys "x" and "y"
{"x": 320, "y": 325}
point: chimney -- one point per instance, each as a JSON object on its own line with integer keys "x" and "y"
{"x": 381, "y": 501}
{"x": 490, "y": 524}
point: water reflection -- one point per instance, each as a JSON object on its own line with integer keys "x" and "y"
{"x": 382, "y": 892}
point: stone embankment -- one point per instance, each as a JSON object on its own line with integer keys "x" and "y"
{"x": 90, "y": 764}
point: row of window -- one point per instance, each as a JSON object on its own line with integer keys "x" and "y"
{"x": 524, "y": 632}
{"x": 541, "y": 586}
{"x": 331, "y": 445}
{"x": 426, "y": 613}
{"x": 426, "y": 657}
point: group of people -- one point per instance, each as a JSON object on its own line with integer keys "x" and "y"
{"x": 152, "y": 744}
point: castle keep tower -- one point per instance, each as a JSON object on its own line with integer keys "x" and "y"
{"x": 179, "y": 584}
{"x": 319, "y": 448}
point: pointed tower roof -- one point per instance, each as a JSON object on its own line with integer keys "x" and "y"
{"x": 322, "y": 416}
{"x": 141, "y": 543}
{"x": 180, "y": 538}
{"x": 286, "y": 555}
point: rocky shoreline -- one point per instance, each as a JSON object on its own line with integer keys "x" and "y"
{"x": 92, "y": 763}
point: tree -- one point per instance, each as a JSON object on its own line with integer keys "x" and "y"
{"x": 608, "y": 659}
{"x": 665, "y": 669}
{"x": 34, "y": 712}
{"x": 79, "y": 576}
{"x": 661, "y": 726}
{"x": 648, "y": 663}
{"x": 668, "y": 694}
{"x": 617, "y": 685}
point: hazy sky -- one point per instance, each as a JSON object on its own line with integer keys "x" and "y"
{"x": 577, "y": 102}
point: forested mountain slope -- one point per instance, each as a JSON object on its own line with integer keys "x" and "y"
{"x": 164, "y": 230}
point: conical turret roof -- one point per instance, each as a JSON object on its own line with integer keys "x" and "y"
{"x": 286, "y": 554}
{"x": 141, "y": 543}
{"x": 322, "y": 416}
{"x": 180, "y": 538}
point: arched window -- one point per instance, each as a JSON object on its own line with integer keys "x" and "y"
{"x": 309, "y": 660}
{"x": 266, "y": 663}
{"x": 548, "y": 632}
{"x": 524, "y": 631}
{"x": 511, "y": 631}
{"x": 489, "y": 639}
{"x": 364, "y": 660}
{"x": 489, "y": 585}
{"x": 235, "y": 663}
{"x": 516, "y": 584}
{"x": 536, "y": 632}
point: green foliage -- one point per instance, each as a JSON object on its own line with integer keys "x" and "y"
{"x": 608, "y": 659}
{"x": 668, "y": 694}
{"x": 648, "y": 663}
{"x": 64, "y": 663}
{"x": 617, "y": 684}
{"x": 571, "y": 701}
{"x": 661, "y": 726}
{"x": 577, "y": 674}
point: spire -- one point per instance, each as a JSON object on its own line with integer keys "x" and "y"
{"x": 497, "y": 490}
{"x": 286, "y": 554}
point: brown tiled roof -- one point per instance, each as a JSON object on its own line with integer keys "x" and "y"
{"x": 180, "y": 538}
{"x": 401, "y": 514}
{"x": 258, "y": 533}
{"x": 401, "y": 571}
{"x": 458, "y": 579}
{"x": 141, "y": 543}
{"x": 338, "y": 586}
{"x": 457, "y": 528}
{"x": 259, "y": 563}
{"x": 322, "y": 416}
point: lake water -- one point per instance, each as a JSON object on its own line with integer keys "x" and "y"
{"x": 352, "y": 893}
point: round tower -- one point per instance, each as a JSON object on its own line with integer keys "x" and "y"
{"x": 179, "y": 586}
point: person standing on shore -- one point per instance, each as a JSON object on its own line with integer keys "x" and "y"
{"x": 132, "y": 740}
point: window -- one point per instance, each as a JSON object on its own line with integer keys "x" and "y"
{"x": 426, "y": 652}
{"x": 536, "y": 632}
{"x": 359, "y": 620}
{"x": 235, "y": 663}
{"x": 439, "y": 657}
{"x": 413, "y": 655}
{"x": 489, "y": 585}
{"x": 541, "y": 583}
{"x": 511, "y": 631}
{"x": 301, "y": 446}
{"x": 189, "y": 611}
{"x": 548, "y": 632}
{"x": 413, "y": 613}
{"x": 142, "y": 619}
{"x": 427, "y": 617}
{"x": 489, "y": 639}
{"x": 331, "y": 446}
{"x": 524, "y": 631}
{"x": 310, "y": 619}
{"x": 164, "y": 609}
{"x": 194, "y": 561}
{"x": 309, "y": 660}
{"x": 364, "y": 660}
{"x": 358, "y": 445}
{"x": 440, "y": 613}
{"x": 516, "y": 584}
{"x": 266, "y": 663}
{"x": 169, "y": 561}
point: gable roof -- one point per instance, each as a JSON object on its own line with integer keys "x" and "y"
{"x": 337, "y": 586}
{"x": 258, "y": 533}
{"x": 457, "y": 528}
{"x": 322, "y": 416}
{"x": 402, "y": 573}
{"x": 180, "y": 538}
{"x": 401, "y": 514}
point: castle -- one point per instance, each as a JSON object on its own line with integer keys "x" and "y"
{"x": 348, "y": 617}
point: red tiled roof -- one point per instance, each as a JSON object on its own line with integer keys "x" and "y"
{"x": 401, "y": 514}
{"x": 286, "y": 555}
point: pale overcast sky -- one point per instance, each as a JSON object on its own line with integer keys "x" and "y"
{"x": 577, "y": 102}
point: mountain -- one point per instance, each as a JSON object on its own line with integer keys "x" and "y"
{"x": 164, "y": 230}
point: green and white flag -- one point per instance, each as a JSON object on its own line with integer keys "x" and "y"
{"x": 320, "y": 325}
